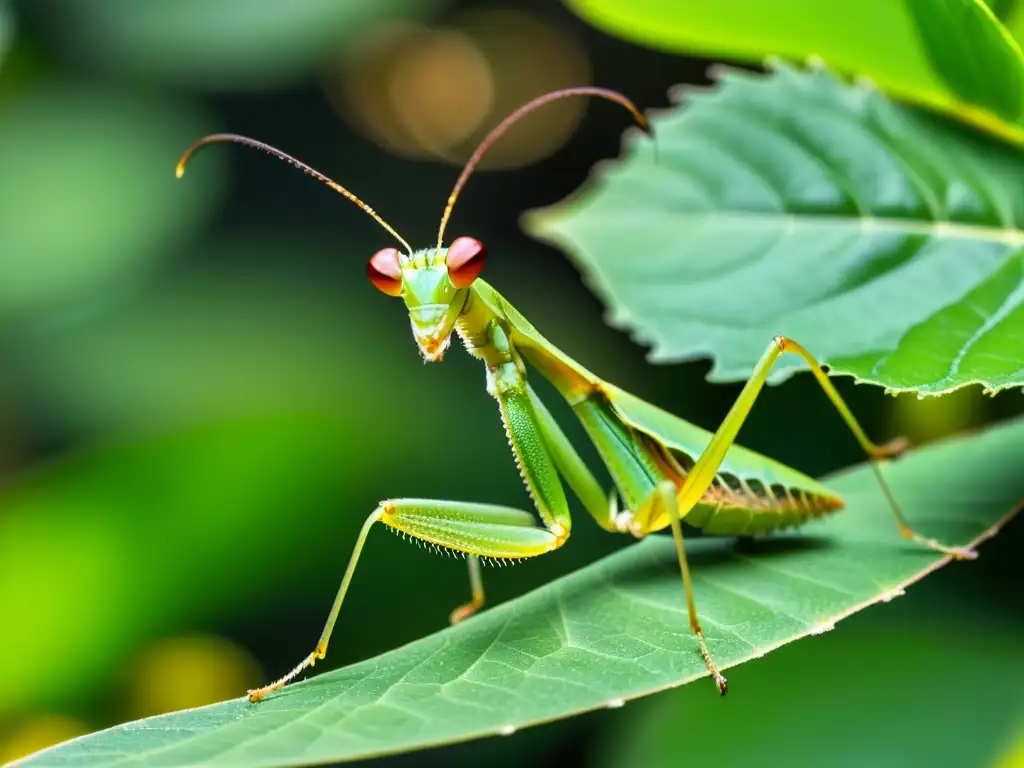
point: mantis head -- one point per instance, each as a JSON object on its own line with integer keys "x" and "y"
{"x": 434, "y": 283}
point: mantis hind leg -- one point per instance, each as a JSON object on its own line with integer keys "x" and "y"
{"x": 703, "y": 472}
{"x": 673, "y": 503}
{"x": 664, "y": 498}
{"x": 477, "y": 530}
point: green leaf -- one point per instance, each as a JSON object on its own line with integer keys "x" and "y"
{"x": 885, "y": 240}
{"x": 226, "y": 44}
{"x": 952, "y": 55}
{"x": 1011, "y": 14}
{"x": 1002, "y": 9}
{"x": 613, "y": 631}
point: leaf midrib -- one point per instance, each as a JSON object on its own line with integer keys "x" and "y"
{"x": 939, "y": 229}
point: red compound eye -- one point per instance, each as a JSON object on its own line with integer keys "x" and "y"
{"x": 465, "y": 259}
{"x": 384, "y": 271}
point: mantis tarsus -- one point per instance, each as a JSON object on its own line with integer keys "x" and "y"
{"x": 667, "y": 471}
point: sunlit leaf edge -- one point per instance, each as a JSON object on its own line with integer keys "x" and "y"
{"x": 945, "y": 103}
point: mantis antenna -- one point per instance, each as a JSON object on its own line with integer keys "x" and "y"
{"x": 217, "y": 137}
{"x": 492, "y": 138}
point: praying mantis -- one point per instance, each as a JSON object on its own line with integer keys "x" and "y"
{"x": 667, "y": 472}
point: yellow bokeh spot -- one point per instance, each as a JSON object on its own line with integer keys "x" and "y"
{"x": 183, "y": 672}
{"x": 37, "y": 733}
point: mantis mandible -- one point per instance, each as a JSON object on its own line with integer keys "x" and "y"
{"x": 667, "y": 471}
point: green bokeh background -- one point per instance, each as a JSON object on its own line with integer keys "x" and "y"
{"x": 202, "y": 398}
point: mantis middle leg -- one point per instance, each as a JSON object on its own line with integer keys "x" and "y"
{"x": 575, "y": 472}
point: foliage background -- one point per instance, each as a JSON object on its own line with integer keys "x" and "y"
{"x": 202, "y": 398}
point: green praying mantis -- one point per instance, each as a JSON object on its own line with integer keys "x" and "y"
{"x": 667, "y": 472}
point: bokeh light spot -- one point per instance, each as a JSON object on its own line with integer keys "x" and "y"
{"x": 358, "y": 89}
{"x": 441, "y": 90}
{"x": 528, "y": 57}
{"x": 189, "y": 671}
{"x": 37, "y": 733}
{"x": 422, "y": 92}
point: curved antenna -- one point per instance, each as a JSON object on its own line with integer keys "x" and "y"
{"x": 491, "y": 139}
{"x": 233, "y": 137}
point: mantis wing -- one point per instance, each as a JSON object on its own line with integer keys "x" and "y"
{"x": 687, "y": 441}
{"x": 690, "y": 440}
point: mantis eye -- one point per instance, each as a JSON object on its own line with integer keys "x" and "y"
{"x": 465, "y": 259}
{"x": 384, "y": 271}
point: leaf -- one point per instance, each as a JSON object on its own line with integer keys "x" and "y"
{"x": 612, "y": 631}
{"x": 227, "y": 44}
{"x": 951, "y": 55}
{"x": 1011, "y": 14}
{"x": 885, "y": 240}
{"x": 979, "y": 338}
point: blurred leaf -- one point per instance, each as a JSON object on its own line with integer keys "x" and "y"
{"x": 109, "y": 548}
{"x": 1011, "y": 13}
{"x": 87, "y": 191}
{"x": 1002, "y": 9}
{"x": 885, "y": 240}
{"x": 863, "y": 696}
{"x": 951, "y": 55}
{"x": 220, "y": 45}
{"x": 612, "y": 631}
